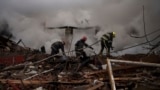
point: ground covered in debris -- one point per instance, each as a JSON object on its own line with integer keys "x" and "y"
{"x": 26, "y": 69}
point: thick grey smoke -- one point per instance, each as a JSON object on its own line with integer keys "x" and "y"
{"x": 28, "y": 19}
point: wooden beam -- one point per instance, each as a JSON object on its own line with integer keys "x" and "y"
{"x": 40, "y": 82}
{"x": 114, "y": 69}
{"x": 122, "y": 79}
{"x": 136, "y": 63}
{"x": 112, "y": 82}
{"x": 96, "y": 86}
{"x": 39, "y": 74}
{"x": 25, "y": 82}
{"x": 126, "y": 79}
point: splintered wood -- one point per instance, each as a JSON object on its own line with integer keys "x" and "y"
{"x": 34, "y": 70}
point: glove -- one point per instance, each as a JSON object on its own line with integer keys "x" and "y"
{"x": 112, "y": 48}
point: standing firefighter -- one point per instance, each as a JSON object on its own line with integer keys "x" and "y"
{"x": 106, "y": 42}
{"x": 56, "y": 46}
{"x": 79, "y": 47}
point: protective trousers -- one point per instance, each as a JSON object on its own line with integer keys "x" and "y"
{"x": 105, "y": 44}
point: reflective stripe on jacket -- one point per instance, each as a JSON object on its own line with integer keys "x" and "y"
{"x": 105, "y": 37}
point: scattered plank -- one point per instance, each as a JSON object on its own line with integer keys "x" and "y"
{"x": 114, "y": 69}
{"x": 112, "y": 82}
{"x": 77, "y": 82}
{"x": 96, "y": 86}
{"x": 135, "y": 63}
{"x": 123, "y": 79}
{"x": 38, "y": 74}
{"x": 25, "y": 82}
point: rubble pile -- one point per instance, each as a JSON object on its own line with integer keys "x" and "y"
{"x": 26, "y": 69}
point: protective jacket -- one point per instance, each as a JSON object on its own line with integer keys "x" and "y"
{"x": 107, "y": 39}
{"x": 79, "y": 48}
{"x": 106, "y": 42}
{"x": 56, "y": 46}
{"x": 80, "y": 45}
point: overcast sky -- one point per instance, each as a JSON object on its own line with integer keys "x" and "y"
{"x": 27, "y": 17}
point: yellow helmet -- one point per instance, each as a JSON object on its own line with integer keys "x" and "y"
{"x": 114, "y": 34}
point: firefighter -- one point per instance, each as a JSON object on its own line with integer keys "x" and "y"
{"x": 79, "y": 47}
{"x": 106, "y": 42}
{"x": 56, "y": 46}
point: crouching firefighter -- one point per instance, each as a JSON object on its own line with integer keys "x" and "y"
{"x": 106, "y": 42}
{"x": 56, "y": 46}
{"x": 79, "y": 47}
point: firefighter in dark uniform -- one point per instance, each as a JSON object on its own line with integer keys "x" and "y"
{"x": 79, "y": 47}
{"x": 56, "y": 46}
{"x": 106, "y": 42}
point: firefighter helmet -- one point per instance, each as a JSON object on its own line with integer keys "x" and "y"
{"x": 114, "y": 34}
{"x": 84, "y": 38}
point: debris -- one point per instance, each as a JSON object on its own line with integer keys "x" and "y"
{"x": 39, "y": 88}
{"x": 104, "y": 66}
{"x": 93, "y": 67}
{"x": 113, "y": 87}
{"x": 25, "y": 69}
{"x": 26, "y": 82}
{"x": 96, "y": 86}
{"x": 136, "y": 63}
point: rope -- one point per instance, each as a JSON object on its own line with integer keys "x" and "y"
{"x": 145, "y": 29}
{"x": 96, "y": 43}
{"x": 59, "y": 54}
{"x": 146, "y": 34}
{"x": 137, "y": 44}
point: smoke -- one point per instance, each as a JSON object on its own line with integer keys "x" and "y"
{"x": 4, "y": 28}
{"x": 28, "y": 19}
